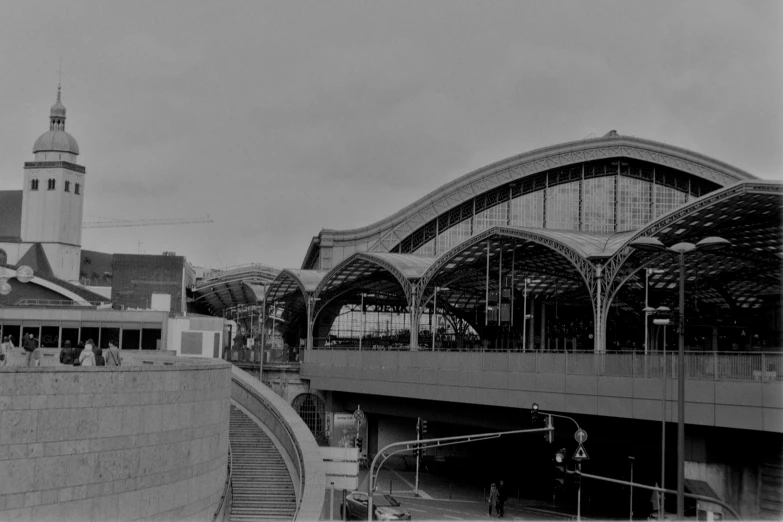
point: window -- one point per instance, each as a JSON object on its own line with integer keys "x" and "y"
{"x": 34, "y": 184}
{"x": 76, "y": 188}
{"x": 50, "y": 184}
{"x": 67, "y": 186}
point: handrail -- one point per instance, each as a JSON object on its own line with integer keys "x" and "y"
{"x": 225, "y": 487}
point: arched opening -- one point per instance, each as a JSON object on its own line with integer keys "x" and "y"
{"x": 311, "y": 409}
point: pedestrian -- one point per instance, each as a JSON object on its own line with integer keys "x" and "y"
{"x": 113, "y": 355}
{"x": 501, "y": 499}
{"x": 66, "y": 353}
{"x": 5, "y": 352}
{"x": 77, "y": 352}
{"x": 493, "y": 499}
{"x": 99, "y": 360}
{"x": 31, "y": 346}
{"x": 87, "y": 357}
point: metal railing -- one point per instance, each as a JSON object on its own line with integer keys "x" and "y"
{"x": 59, "y": 303}
{"x": 225, "y": 499}
{"x": 271, "y": 356}
{"x": 712, "y": 366}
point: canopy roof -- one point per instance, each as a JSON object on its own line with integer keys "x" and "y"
{"x": 238, "y": 285}
{"x": 292, "y": 280}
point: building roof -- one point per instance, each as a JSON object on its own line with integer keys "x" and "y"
{"x": 388, "y": 232}
{"x": 10, "y": 215}
{"x": 56, "y": 141}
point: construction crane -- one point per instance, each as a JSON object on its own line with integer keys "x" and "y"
{"x": 145, "y": 222}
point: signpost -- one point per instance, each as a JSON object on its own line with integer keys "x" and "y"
{"x": 579, "y": 455}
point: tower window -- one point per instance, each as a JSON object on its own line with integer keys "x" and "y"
{"x": 67, "y": 186}
{"x": 34, "y": 184}
{"x": 76, "y": 188}
{"x": 50, "y": 184}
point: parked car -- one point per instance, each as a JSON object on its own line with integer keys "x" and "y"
{"x": 385, "y": 507}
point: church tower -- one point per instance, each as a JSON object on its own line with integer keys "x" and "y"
{"x": 53, "y": 197}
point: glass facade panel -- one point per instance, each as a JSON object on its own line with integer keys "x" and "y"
{"x": 562, "y": 207}
{"x": 427, "y": 249}
{"x": 667, "y": 199}
{"x": 453, "y": 236}
{"x": 598, "y": 202}
{"x": 528, "y": 210}
{"x": 496, "y": 216}
{"x": 633, "y": 204}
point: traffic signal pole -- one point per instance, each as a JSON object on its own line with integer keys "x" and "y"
{"x": 408, "y": 445}
{"x": 655, "y": 488}
{"x": 418, "y": 455}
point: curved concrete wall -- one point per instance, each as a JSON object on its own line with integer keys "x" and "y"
{"x": 144, "y": 440}
{"x": 294, "y": 436}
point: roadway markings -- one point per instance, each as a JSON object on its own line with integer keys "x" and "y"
{"x": 422, "y": 493}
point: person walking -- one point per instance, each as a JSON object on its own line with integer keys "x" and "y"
{"x": 66, "y": 353}
{"x": 87, "y": 357}
{"x": 493, "y": 499}
{"x": 501, "y": 499}
{"x": 113, "y": 355}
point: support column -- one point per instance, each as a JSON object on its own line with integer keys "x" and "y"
{"x": 414, "y": 307}
{"x": 543, "y": 325}
{"x": 309, "y": 345}
{"x": 714, "y": 338}
{"x": 599, "y": 324}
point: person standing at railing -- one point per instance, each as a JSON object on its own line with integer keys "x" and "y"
{"x": 5, "y": 353}
{"x": 31, "y": 346}
{"x": 66, "y": 353}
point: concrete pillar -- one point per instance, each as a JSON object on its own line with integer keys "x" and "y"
{"x": 714, "y": 338}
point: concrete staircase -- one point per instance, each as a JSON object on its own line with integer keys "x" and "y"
{"x": 262, "y": 487}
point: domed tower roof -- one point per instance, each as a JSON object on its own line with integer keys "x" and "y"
{"x": 56, "y": 140}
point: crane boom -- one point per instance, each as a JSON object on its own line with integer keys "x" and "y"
{"x": 146, "y": 222}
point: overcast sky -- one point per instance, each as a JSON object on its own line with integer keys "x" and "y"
{"x": 282, "y": 118}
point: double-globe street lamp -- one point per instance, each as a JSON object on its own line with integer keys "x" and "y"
{"x": 708, "y": 244}
{"x": 23, "y": 274}
{"x": 662, "y": 320}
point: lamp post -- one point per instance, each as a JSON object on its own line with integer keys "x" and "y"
{"x": 435, "y": 313}
{"x": 664, "y": 322}
{"x": 707, "y": 244}
{"x": 23, "y": 274}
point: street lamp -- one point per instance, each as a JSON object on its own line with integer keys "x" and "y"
{"x": 23, "y": 274}
{"x": 435, "y": 313}
{"x": 665, "y": 321}
{"x": 708, "y": 244}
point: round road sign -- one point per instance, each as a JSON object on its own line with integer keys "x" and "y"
{"x": 580, "y": 436}
{"x": 358, "y": 415}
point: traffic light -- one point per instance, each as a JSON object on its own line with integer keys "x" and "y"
{"x": 423, "y": 426}
{"x": 577, "y": 480}
{"x": 535, "y": 418}
{"x": 559, "y": 477}
{"x": 359, "y": 443}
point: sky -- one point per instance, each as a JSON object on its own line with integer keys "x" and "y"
{"x": 279, "y": 119}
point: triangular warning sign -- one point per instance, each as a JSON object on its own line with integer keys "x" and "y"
{"x": 580, "y": 454}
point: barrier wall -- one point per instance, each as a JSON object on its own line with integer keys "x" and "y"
{"x": 145, "y": 440}
{"x": 294, "y": 436}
